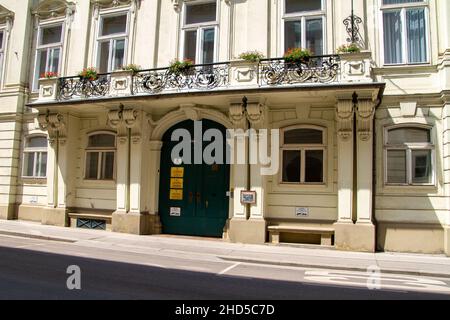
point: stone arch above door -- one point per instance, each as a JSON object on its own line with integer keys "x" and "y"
{"x": 186, "y": 113}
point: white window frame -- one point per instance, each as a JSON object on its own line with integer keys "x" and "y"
{"x": 48, "y": 48}
{"x": 408, "y": 148}
{"x": 101, "y": 151}
{"x": 303, "y": 16}
{"x": 37, "y": 151}
{"x": 112, "y": 38}
{"x": 303, "y": 148}
{"x": 200, "y": 28}
{"x": 403, "y": 7}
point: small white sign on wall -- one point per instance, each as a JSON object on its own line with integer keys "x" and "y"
{"x": 302, "y": 212}
{"x": 175, "y": 212}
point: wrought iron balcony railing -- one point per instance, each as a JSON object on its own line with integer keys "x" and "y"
{"x": 199, "y": 77}
{"x": 216, "y": 76}
{"x": 71, "y": 87}
{"x": 318, "y": 69}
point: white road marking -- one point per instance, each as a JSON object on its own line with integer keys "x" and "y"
{"x": 229, "y": 268}
{"x": 29, "y": 246}
{"x": 402, "y": 282}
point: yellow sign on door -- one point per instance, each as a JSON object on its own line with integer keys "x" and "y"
{"x": 177, "y": 172}
{"x": 176, "y": 183}
{"x": 176, "y": 194}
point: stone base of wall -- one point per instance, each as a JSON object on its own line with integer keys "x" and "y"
{"x": 30, "y": 213}
{"x": 8, "y": 211}
{"x": 354, "y": 237}
{"x": 251, "y": 231}
{"x": 136, "y": 223}
{"x": 447, "y": 240}
{"x": 413, "y": 238}
{"x": 55, "y": 217}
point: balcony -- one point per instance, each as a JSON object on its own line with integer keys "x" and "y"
{"x": 330, "y": 70}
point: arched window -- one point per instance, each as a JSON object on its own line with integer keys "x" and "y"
{"x": 100, "y": 156}
{"x": 303, "y": 155}
{"x": 409, "y": 156}
{"x": 35, "y": 157}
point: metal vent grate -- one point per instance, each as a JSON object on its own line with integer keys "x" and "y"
{"x": 91, "y": 224}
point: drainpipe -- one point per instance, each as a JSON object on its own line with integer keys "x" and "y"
{"x": 247, "y": 206}
{"x": 128, "y": 191}
{"x": 55, "y": 172}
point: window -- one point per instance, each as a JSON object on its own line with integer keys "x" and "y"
{"x": 35, "y": 157}
{"x": 200, "y": 32}
{"x": 303, "y": 152}
{"x": 112, "y": 42}
{"x": 304, "y": 25}
{"x": 409, "y": 156}
{"x": 100, "y": 157}
{"x": 405, "y": 32}
{"x": 48, "y": 51}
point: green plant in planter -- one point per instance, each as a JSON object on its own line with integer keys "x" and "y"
{"x": 348, "y": 48}
{"x": 297, "y": 55}
{"x": 132, "y": 67}
{"x": 251, "y": 56}
{"x": 90, "y": 74}
{"x": 181, "y": 67}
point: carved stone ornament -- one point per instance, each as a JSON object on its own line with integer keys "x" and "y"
{"x": 365, "y": 113}
{"x": 344, "y": 118}
{"x": 255, "y": 114}
{"x": 55, "y": 125}
{"x": 123, "y": 119}
{"x": 6, "y": 18}
{"x": 47, "y": 9}
{"x": 237, "y": 115}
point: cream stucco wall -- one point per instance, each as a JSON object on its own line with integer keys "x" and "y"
{"x": 155, "y": 40}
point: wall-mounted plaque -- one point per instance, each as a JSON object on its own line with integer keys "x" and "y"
{"x": 248, "y": 197}
{"x": 176, "y": 194}
{"x": 176, "y": 183}
{"x": 177, "y": 172}
{"x": 175, "y": 212}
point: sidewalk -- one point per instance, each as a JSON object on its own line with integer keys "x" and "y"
{"x": 399, "y": 263}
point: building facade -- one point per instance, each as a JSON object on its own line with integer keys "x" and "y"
{"x": 362, "y": 139}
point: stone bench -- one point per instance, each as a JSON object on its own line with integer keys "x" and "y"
{"x": 325, "y": 233}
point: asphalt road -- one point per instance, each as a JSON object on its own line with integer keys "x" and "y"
{"x": 37, "y": 269}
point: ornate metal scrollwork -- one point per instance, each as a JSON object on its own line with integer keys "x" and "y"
{"x": 200, "y": 77}
{"x": 351, "y": 24}
{"x": 320, "y": 69}
{"x": 71, "y": 87}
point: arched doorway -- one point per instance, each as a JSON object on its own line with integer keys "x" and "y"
{"x": 193, "y": 197}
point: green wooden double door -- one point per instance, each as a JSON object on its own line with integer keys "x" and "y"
{"x": 193, "y": 197}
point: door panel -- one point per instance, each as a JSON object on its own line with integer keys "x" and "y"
{"x": 204, "y": 207}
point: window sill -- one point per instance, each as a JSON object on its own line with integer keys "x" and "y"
{"x": 34, "y": 180}
{"x": 409, "y": 189}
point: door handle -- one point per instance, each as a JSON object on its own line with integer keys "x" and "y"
{"x": 206, "y": 204}
{"x": 191, "y": 197}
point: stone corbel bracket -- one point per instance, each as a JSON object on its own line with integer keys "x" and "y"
{"x": 365, "y": 112}
{"x": 123, "y": 119}
{"x": 236, "y": 115}
{"x": 256, "y": 114}
{"x": 344, "y": 118}
{"x": 55, "y": 125}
